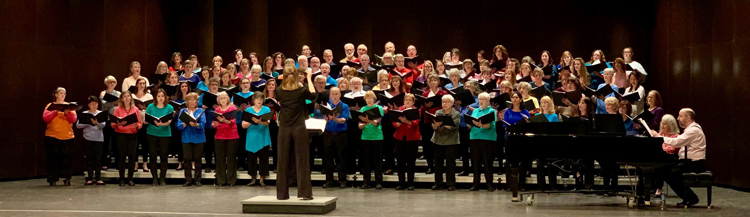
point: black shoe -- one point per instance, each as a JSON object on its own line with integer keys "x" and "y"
{"x": 307, "y": 198}
{"x": 686, "y": 204}
{"x": 198, "y": 184}
{"x": 490, "y": 189}
{"x": 329, "y": 184}
{"x": 251, "y": 183}
{"x": 400, "y": 188}
{"x": 187, "y": 184}
{"x": 208, "y": 170}
{"x": 66, "y": 182}
{"x": 122, "y": 183}
{"x": 155, "y": 182}
{"x": 464, "y": 173}
{"x": 378, "y": 187}
{"x": 436, "y": 188}
{"x": 52, "y": 183}
{"x": 130, "y": 183}
{"x": 365, "y": 186}
{"x": 388, "y": 172}
{"x": 474, "y": 188}
{"x": 429, "y": 171}
{"x": 410, "y": 188}
{"x": 451, "y": 188}
{"x": 162, "y": 182}
{"x": 342, "y": 184}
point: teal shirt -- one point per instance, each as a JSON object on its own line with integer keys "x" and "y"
{"x": 258, "y": 136}
{"x": 163, "y": 131}
{"x": 481, "y": 133}
{"x": 550, "y": 117}
{"x": 371, "y": 132}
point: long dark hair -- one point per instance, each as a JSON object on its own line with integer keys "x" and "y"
{"x": 166, "y": 98}
{"x": 179, "y": 90}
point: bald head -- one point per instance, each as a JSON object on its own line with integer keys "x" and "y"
{"x": 361, "y": 49}
{"x": 390, "y": 47}
{"x": 411, "y": 51}
{"x": 686, "y": 117}
{"x": 335, "y": 94}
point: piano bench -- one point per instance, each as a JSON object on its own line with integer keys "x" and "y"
{"x": 700, "y": 180}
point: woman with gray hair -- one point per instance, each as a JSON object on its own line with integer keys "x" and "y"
{"x": 446, "y": 140}
{"x": 667, "y": 128}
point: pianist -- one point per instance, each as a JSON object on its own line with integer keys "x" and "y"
{"x": 692, "y": 144}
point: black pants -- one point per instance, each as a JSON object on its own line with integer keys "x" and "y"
{"x": 674, "y": 179}
{"x": 427, "y": 147}
{"x": 406, "y": 152}
{"x": 110, "y": 146}
{"x": 445, "y": 162}
{"x": 94, "y": 160}
{"x": 241, "y": 157}
{"x": 316, "y": 149}
{"x": 354, "y": 138}
{"x": 158, "y": 146}
{"x": 371, "y": 156}
{"x": 294, "y": 143}
{"x": 58, "y": 154}
{"x": 273, "y": 129}
{"x": 389, "y": 148}
{"x": 192, "y": 152}
{"x": 499, "y": 148}
{"x": 482, "y": 156}
{"x": 253, "y": 160}
{"x": 208, "y": 149}
{"x": 464, "y": 149}
{"x": 334, "y": 144}
{"x": 126, "y": 146}
{"x": 226, "y": 161}
{"x": 609, "y": 173}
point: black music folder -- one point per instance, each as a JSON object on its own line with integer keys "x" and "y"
{"x": 272, "y": 104}
{"x": 247, "y": 116}
{"x": 630, "y": 97}
{"x": 110, "y": 98}
{"x": 436, "y": 100}
{"x": 528, "y": 105}
{"x": 486, "y": 118}
{"x": 397, "y": 100}
{"x": 445, "y": 119}
{"x": 596, "y": 68}
{"x": 327, "y": 110}
{"x": 239, "y": 100}
{"x": 139, "y": 103}
{"x": 187, "y": 118}
{"x": 645, "y": 116}
{"x": 358, "y": 101}
{"x": 498, "y": 65}
{"x": 463, "y": 95}
{"x": 171, "y": 90}
{"x": 209, "y": 99}
{"x": 130, "y": 119}
{"x": 177, "y": 105}
{"x": 372, "y": 114}
{"x": 410, "y": 114}
{"x": 417, "y": 60}
{"x": 225, "y": 115}
{"x": 538, "y": 92}
{"x": 85, "y": 118}
{"x": 500, "y": 100}
{"x": 539, "y": 118}
{"x": 265, "y": 76}
{"x": 62, "y": 107}
{"x": 150, "y": 119}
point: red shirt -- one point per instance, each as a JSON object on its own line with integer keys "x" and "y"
{"x": 171, "y": 68}
{"x": 411, "y": 131}
{"x": 131, "y": 128}
{"x": 433, "y": 109}
{"x": 408, "y": 79}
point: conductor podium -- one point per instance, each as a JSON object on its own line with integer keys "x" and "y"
{"x": 269, "y": 204}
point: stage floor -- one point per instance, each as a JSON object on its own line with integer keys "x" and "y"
{"x": 35, "y": 198}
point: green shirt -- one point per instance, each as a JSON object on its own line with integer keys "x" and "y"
{"x": 371, "y": 132}
{"x": 481, "y": 133}
{"x": 163, "y": 131}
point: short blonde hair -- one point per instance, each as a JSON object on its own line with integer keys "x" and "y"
{"x": 397, "y": 56}
{"x": 537, "y": 70}
{"x": 671, "y": 122}
{"x": 551, "y": 107}
{"x": 608, "y": 70}
{"x": 452, "y": 72}
{"x": 507, "y": 84}
{"x": 370, "y": 94}
{"x": 410, "y": 96}
{"x": 612, "y": 101}
{"x": 524, "y": 85}
{"x": 191, "y": 96}
{"x": 110, "y": 78}
{"x": 255, "y": 67}
{"x": 383, "y": 75}
{"x": 222, "y": 95}
{"x": 468, "y": 61}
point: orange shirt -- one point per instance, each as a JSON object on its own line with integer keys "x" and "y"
{"x": 59, "y": 124}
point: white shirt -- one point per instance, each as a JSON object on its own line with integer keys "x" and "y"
{"x": 638, "y": 105}
{"x": 693, "y": 139}
{"x": 130, "y": 81}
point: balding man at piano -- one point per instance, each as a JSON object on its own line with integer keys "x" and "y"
{"x": 692, "y": 145}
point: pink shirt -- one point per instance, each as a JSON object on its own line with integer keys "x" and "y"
{"x": 693, "y": 139}
{"x": 130, "y": 128}
{"x": 223, "y": 130}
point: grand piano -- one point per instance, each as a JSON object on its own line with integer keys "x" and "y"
{"x": 600, "y": 138}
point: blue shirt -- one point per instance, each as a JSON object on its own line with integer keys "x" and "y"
{"x": 331, "y": 81}
{"x": 239, "y": 112}
{"x": 258, "y": 135}
{"x": 461, "y": 112}
{"x": 194, "y": 79}
{"x": 629, "y": 128}
{"x": 192, "y": 134}
{"x": 512, "y": 117}
{"x": 601, "y": 107}
{"x": 482, "y": 133}
{"x": 202, "y": 86}
{"x": 450, "y": 85}
{"x": 332, "y": 126}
